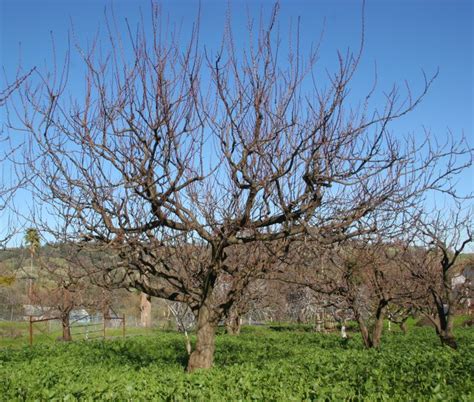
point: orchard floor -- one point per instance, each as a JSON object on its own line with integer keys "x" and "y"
{"x": 263, "y": 363}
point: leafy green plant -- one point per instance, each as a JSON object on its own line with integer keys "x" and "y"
{"x": 260, "y": 364}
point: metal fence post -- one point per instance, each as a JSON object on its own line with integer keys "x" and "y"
{"x": 123, "y": 325}
{"x": 31, "y": 330}
{"x": 104, "y": 326}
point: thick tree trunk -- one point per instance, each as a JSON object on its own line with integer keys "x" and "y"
{"x": 444, "y": 326}
{"x": 364, "y": 332}
{"x": 233, "y": 324}
{"x": 202, "y": 356}
{"x": 372, "y": 336}
{"x": 448, "y": 339}
{"x": 66, "y": 327}
{"x": 377, "y": 331}
{"x": 444, "y": 331}
{"x": 145, "y": 310}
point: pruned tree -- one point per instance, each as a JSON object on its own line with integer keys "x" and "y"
{"x": 357, "y": 279}
{"x": 368, "y": 281}
{"x": 63, "y": 285}
{"x": 254, "y": 299}
{"x": 175, "y": 157}
{"x": 399, "y": 314}
{"x": 433, "y": 259}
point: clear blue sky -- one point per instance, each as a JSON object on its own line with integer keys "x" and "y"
{"x": 403, "y": 37}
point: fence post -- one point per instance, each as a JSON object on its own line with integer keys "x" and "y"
{"x": 123, "y": 325}
{"x": 104, "y": 326}
{"x": 31, "y": 330}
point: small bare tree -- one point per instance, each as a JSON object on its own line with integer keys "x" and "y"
{"x": 434, "y": 260}
{"x": 63, "y": 285}
{"x": 185, "y": 320}
{"x": 369, "y": 280}
{"x": 357, "y": 278}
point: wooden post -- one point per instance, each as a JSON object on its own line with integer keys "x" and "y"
{"x": 123, "y": 325}
{"x": 31, "y": 330}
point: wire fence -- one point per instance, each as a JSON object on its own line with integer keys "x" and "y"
{"x": 81, "y": 328}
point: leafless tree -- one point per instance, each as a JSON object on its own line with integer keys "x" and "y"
{"x": 433, "y": 258}
{"x": 399, "y": 313}
{"x": 185, "y": 320}
{"x": 369, "y": 281}
{"x": 63, "y": 286}
{"x": 358, "y": 279}
{"x": 175, "y": 156}
{"x": 253, "y": 300}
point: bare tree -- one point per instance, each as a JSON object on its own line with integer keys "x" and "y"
{"x": 10, "y": 88}
{"x": 399, "y": 313}
{"x": 369, "y": 281}
{"x": 358, "y": 278}
{"x": 185, "y": 320}
{"x": 63, "y": 285}
{"x": 175, "y": 157}
{"x": 433, "y": 259}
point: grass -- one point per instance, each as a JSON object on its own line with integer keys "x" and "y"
{"x": 16, "y": 334}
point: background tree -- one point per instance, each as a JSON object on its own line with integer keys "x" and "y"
{"x": 368, "y": 280}
{"x": 32, "y": 241}
{"x": 433, "y": 259}
{"x": 66, "y": 286}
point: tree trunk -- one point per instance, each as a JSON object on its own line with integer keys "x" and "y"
{"x": 403, "y": 327}
{"x": 372, "y": 336}
{"x": 364, "y": 332}
{"x": 447, "y": 338}
{"x": 233, "y": 324}
{"x": 377, "y": 331}
{"x": 444, "y": 326}
{"x": 145, "y": 310}
{"x": 445, "y": 332}
{"x": 66, "y": 327}
{"x": 202, "y": 356}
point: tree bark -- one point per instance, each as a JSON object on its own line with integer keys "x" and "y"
{"x": 444, "y": 324}
{"x": 447, "y": 338}
{"x": 403, "y": 327}
{"x": 233, "y": 324}
{"x": 202, "y": 356}
{"x": 145, "y": 310}
{"x": 372, "y": 336}
{"x": 364, "y": 332}
{"x": 444, "y": 330}
{"x": 66, "y": 327}
{"x": 377, "y": 331}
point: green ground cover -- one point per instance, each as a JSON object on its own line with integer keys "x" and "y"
{"x": 260, "y": 364}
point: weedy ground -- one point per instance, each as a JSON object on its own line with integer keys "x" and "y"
{"x": 263, "y": 363}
